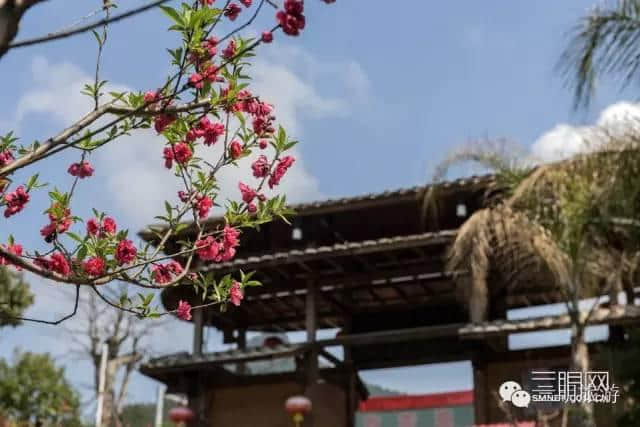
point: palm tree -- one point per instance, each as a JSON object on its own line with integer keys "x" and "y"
{"x": 605, "y": 41}
{"x": 572, "y": 223}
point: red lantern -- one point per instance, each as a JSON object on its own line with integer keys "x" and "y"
{"x": 181, "y": 415}
{"x": 298, "y": 407}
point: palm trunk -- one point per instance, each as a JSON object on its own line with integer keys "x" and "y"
{"x": 582, "y": 414}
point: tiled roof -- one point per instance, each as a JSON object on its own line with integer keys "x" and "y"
{"x": 339, "y": 249}
{"x": 392, "y": 194}
{"x": 337, "y": 203}
{"x": 220, "y": 358}
{"x": 618, "y": 314}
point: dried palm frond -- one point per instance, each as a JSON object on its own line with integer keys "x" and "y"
{"x": 573, "y": 225}
{"x": 500, "y": 246}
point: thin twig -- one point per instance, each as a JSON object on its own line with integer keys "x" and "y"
{"x": 50, "y": 322}
{"x": 68, "y": 33}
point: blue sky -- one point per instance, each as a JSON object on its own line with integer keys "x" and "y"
{"x": 378, "y": 93}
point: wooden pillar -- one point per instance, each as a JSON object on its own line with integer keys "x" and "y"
{"x": 481, "y": 393}
{"x": 198, "y": 327}
{"x": 311, "y": 322}
{"x": 197, "y": 402}
{"x": 351, "y": 401}
{"x": 242, "y": 345}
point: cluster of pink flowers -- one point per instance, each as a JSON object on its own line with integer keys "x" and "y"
{"x": 101, "y": 229}
{"x": 210, "y": 45}
{"x": 260, "y": 111}
{"x": 208, "y": 73}
{"x": 160, "y": 121}
{"x": 263, "y": 125}
{"x": 229, "y": 51}
{"x": 235, "y": 149}
{"x": 260, "y": 166}
{"x": 207, "y": 130}
{"x": 201, "y": 59}
{"x": 283, "y": 165}
{"x": 248, "y": 193}
{"x": 81, "y": 170}
{"x": 15, "y": 249}
{"x": 184, "y": 310}
{"x": 57, "y": 225}
{"x": 250, "y": 104}
{"x": 126, "y": 252}
{"x": 232, "y": 11}
{"x": 180, "y": 152}
{"x": 5, "y": 158}
{"x": 15, "y": 201}
{"x": 165, "y": 273}
{"x": 56, "y": 263}
{"x": 267, "y": 37}
{"x": 210, "y": 249}
{"x": 291, "y": 18}
{"x": 94, "y": 266}
{"x": 235, "y": 294}
{"x": 202, "y": 203}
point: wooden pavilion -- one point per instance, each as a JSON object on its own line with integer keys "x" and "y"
{"x": 371, "y": 266}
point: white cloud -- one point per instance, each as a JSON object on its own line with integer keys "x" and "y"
{"x": 560, "y": 142}
{"x": 565, "y": 140}
{"x": 132, "y": 167}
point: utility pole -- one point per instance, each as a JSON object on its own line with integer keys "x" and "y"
{"x": 159, "y": 406}
{"x": 101, "y": 381}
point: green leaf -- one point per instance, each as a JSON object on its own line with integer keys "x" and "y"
{"x": 97, "y": 36}
{"x": 82, "y": 253}
{"x": 174, "y": 15}
{"x": 33, "y": 182}
{"x": 75, "y": 237}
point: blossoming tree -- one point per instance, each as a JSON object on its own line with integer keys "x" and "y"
{"x": 206, "y": 101}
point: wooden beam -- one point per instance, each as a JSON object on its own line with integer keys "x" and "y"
{"x": 401, "y": 292}
{"x": 619, "y": 315}
{"x": 351, "y": 279}
{"x": 305, "y": 267}
{"x": 340, "y": 307}
{"x": 336, "y": 266}
{"x": 375, "y": 296}
{"x": 392, "y": 336}
{"x": 364, "y": 281}
{"x": 331, "y": 358}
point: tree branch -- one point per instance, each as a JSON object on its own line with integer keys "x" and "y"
{"x": 68, "y": 33}
{"x": 11, "y": 12}
{"x": 54, "y": 322}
